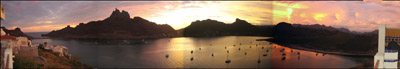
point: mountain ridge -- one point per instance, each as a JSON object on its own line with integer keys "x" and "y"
{"x": 118, "y": 25}
{"x": 208, "y": 27}
{"x": 16, "y": 32}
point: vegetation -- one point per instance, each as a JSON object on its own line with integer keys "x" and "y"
{"x": 19, "y": 63}
{"x": 52, "y": 60}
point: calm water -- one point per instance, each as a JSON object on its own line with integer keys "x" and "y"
{"x": 151, "y": 53}
{"x": 308, "y": 59}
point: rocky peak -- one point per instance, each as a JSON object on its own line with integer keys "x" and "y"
{"x": 125, "y": 14}
{"x": 115, "y": 13}
{"x": 68, "y": 26}
{"x": 118, "y": 15}
{"x": 239, "y": 21}
{"x": 17, "y": 29}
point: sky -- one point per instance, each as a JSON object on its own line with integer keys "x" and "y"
{"x": 361, "y": 16}
{"x": 45, "y": 16}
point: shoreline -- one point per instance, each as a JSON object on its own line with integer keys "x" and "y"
{"x": 327, "y": 52}
{"x": 301, "y": 47}
{"x": 366, "y": 59}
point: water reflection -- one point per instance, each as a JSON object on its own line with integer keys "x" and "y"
{"x": 294, "y": 58}
{"x": 211, "y": 52}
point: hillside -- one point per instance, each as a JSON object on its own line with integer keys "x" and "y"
{"x": 118, "y": 25}
{"x": 326, "y": 39}
{"x": 215, "y": 28}
{"x": 16, "y": 32}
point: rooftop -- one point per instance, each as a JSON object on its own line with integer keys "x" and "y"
{"x": 8, "y": 37}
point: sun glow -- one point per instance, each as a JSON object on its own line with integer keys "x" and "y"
{"x": 180, "y": 18}
{"x": 290, "y": 10}
{"x": 319, "y": 16}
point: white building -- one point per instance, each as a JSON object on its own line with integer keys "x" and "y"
{"x": 2, "y": 32}
{"x": 7, "y": 58}
{"x": 8, "y": 43}
{"x": 388, "y": 48}
{"x": 23, "y": 41}
{"x": 62, "y": 50}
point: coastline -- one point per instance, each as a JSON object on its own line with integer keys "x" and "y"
{"x": 365, "y": 59}
{"x": 304, "y": 47}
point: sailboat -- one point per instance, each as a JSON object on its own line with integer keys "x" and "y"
{"x": 227, "y": 57}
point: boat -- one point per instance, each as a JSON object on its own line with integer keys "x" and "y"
{"x": 282, "y": 50}
{"x": 283, "y": 58}
{"x": 228, "y": 61}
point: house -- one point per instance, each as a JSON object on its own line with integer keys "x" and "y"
{"x": 61, "y": 50}
{"x": 8, "y": 44}
{"x": 388, "y": 48}
{"x": 2, "y": 32}
{"x": 23, "y": 41}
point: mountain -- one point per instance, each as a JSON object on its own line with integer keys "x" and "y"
{"x": 118, "y": 25}
{"x": 326, "y": 38}
{"x": 215, "y": 28}
{"x": 16, "y": 32}
{"x": 330, "y": 28}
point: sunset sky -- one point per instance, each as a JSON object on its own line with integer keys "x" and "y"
{"x": 44, "y": 16}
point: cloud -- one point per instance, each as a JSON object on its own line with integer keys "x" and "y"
{"x": 44, "y": 22}
{"x": 357, "y": 16}
{"x": 44, "y": 16}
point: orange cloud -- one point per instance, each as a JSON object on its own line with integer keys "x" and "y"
{"x": 357, "y": 16}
